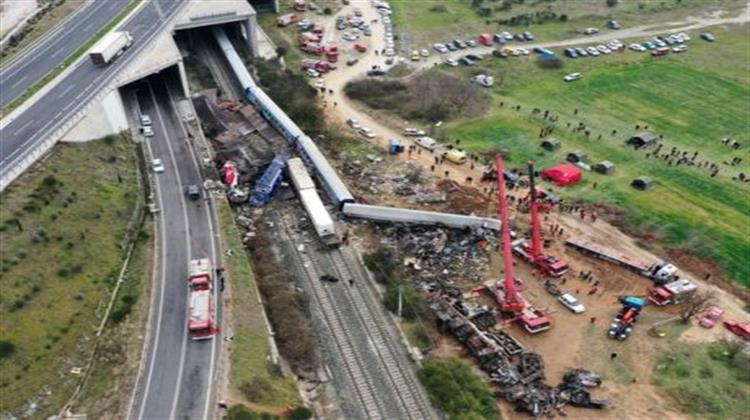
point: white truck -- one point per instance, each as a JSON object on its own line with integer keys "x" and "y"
{"x": 109, "y": 47}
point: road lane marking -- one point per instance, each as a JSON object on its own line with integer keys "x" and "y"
{"x": 65, "y": 92}
{"x": 23, "y": 127}
{"x": 188, "y": 247}
{"x": 18, "y": 82}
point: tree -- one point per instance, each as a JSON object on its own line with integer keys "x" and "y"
{"x": 281, "y": 51}
{"x": 456, "y": 390}
{"x": 412, "y": 304}
{"x": 612, "y": 3}
{"x": 695, "y": 304}
{"x": 733, "y": 346}
{"x": 7, "y": 349}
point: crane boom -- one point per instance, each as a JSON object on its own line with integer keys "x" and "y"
{"x": 512, "y": 301}
{"x": 536, "y": 229}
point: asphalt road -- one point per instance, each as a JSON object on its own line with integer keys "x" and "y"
{"x": 23, "y": 73}
{"x": 51, "y": 111}
{"x": 178, "y": 377}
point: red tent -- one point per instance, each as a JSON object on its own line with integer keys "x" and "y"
{"x": 563, "y": 174}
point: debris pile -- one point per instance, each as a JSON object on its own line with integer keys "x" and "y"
{"x": 517, "y": 373}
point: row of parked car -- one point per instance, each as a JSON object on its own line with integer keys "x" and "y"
{"x": 499, "y": 38}
{"x": 594, "y": 50}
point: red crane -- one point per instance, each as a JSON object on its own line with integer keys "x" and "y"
{"x": 512, "y": 301}
{"x": 534, "y": 252}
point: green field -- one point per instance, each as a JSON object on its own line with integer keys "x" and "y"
{"x": 423, "y": 22}
{"x": 690, "y": 99}
{"x": 61, "y": 227}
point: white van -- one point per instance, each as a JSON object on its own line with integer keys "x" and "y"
{"x": 426, "y": 142}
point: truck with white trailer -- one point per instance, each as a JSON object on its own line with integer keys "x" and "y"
{"x": 110, "y": 46}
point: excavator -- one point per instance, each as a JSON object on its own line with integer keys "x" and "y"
{"x": 533, "y": 252}
{"x": 506, "y": 293}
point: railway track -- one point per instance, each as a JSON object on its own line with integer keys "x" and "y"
{"x": 402, "y": 379}
{"x": 364, "y": 387}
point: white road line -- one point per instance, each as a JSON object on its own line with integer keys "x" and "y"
{"x": 23, "y": 127}
{"x": 87, "y": 27}
{"x": 18, "y": 82}
{"x": 212, "y": 362}
{"x": 161, "y": 293}
{"x": 65, "y": 92}
{"x": 56, "y": 53}
{"x": 185, "y": 339}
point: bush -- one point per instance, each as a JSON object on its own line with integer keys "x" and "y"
{"x": 300, "y": 413}
{"x": 240, "y": 412}
{"x": 438, "y": 8}
{"x": 256, "y": 390}
{"x": 7, "y": 349}
{"x": 382, "y": 265}
{"x": 611, "y": 3}
{"x": 453, "y": 388}
{"x": 550, "y": 63}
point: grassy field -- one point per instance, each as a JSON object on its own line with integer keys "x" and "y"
{"x": 62, "y": 227}
{"x": 690, "y": 99}
{"x": 705, "y": 381}
{"x": 424, "y": 22}
{"x": 252, "y": 372}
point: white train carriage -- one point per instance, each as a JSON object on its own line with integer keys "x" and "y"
{"x": 299, "y": 176}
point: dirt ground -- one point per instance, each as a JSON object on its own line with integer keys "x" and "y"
{"x": 573, "y": 341}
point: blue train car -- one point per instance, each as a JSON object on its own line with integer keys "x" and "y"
{"x": 266, "y": 186}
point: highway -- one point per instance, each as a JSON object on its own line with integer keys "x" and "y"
{"x": 177, "y": 380}
{"x": 53, "y": 109}
{"x": 45, "y": 56}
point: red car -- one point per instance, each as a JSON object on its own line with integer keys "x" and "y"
{"x": 359, "y": 47}
{"x": 711, "y": 317}
{"x": 742, "y": 329}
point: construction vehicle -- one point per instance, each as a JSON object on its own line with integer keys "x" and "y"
{"x": 660, "y": 273}
{"x": 672, "y": 293}
{"x": 111, "y": 46}
{"x": 626, "y": 318}
{"x": 533, "y": 252}
{"x": 506, "y": 294}
{"x": 202, "y": 323}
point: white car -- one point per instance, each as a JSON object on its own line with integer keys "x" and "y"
{"x": 602, "y": 49}
{"x": 590, "y": 31}
{"x": 157, "y": 165}
{"x": 312, "y": 73}
{"x": 680, "y": 48}
{"x": 390, "y": 52}
{"x": 440, "y": 48}
{"x": 572, "y": 303}
{"x": 451, "y": 62}
{"x": 483, "y": 80}
{"x": 351, "y": 122}
{"x": 523, "y": 51}
{"x": 414, "y": 132}
{"x": 424, "y": 53}
{"x": 386, "y": 20}
{"x": 367, "y": 133}
{"x": 572, "y": 77}
{"x": 426, "y": 142}
{"x": 684, "y": 36}
{"x": 147, "y": 131}
{"x": 145, "y": 120}
{"x": 637, "y": 47}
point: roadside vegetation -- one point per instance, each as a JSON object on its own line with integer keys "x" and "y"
{"x": 62, "y": 226}
{"x": 457, "y": 391}
{"x": 707, "y": 380}
{"x": 252, "y": 376}
{"x": 51, "y": 14}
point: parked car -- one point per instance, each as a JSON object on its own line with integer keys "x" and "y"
{"x": 466, "y": 61}
{"x": 194, "y": 192}
{"x": 590, "y": 31}
{"x": 528, "y": 36}
{"x": 593, "y": 51}
{"x": 351, "y": 122}
{"x": 426, "y": 142}
{"x": 741, "y": 329}
{"x": 459, "y": 44}
{"x": 471, "y": 43}
{"x": 414, "y": 132}
{"x": 483, "y": 80}
{"x": 571, "y": 53}
{"x": 582, "y": 52}
{"x": 375, "y": 72}
{"x": 680, "y": 48}
{"x": 519, "y": 37}
{"x": 451, "y": 46}
{"x": 352, "y": 61}
{"x": 603, "y": 49}
{"x": 414, "y": 55}
{"x": 706, "y": 36}
{"x": 613, "y": 24}
{"x": 499, "y": 54}
{"x": 571, "y": 303}
{"x": 390, "y": 52}
{"x": 389, "y": 61}
{"x": 637, "y": 47}
{"x": 649, "y": 45}
{"x": 572, "y": 77}
{"x": 474, "y": 56}
{"x": 660, "y": 52}
{"x": 367, "y": 133}
{"x": 424, "y": 53}
{"x": 360, "y": 48}
{"x": 685, "y": 37}
{"x": 523, "y": 51}
{"x": 440, "y": 48}
{"x": 451, "y": 62}
{"x": 312, "y": 73}
{"x": 157, "y": 165}
{"x": 711, "y": 317}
